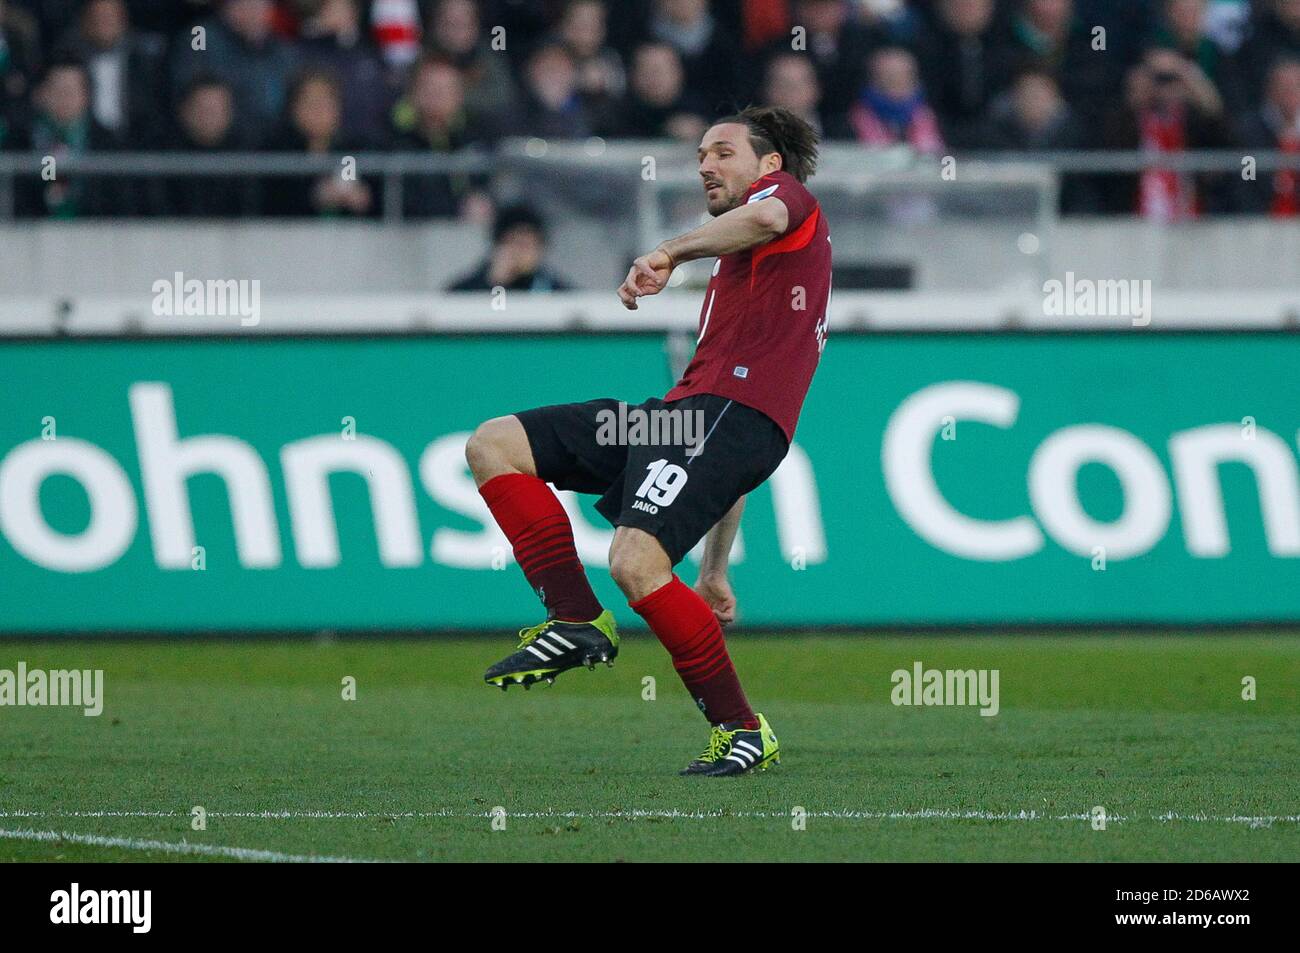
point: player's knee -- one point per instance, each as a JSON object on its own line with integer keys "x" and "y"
{"x": 625, "y": 569}
{"x": 478, "y": 449}
{"x": 638, "y": 566}
{"x": 484, "y": 449}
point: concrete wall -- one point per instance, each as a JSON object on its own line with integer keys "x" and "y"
{"x": 125, "y": 258}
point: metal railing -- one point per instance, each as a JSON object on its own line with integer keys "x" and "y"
{"x": 851, "y": 166}
{"x": 391, "y": 168}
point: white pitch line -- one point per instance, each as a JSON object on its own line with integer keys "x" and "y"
{"x": 171, "y": 847}
{"x": 942, "y": 814}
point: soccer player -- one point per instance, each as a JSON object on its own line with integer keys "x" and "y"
{"x": 762, "y": 330}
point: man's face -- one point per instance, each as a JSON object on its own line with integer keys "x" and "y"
{"x": 338, "y": 17}
{"x": 822, "y": 16}
{"x": 1185, "y": 17}
{"x": 551, "y": 77}
{"x": 522, "y": 247}
{"x": 893, "y": 73}
{"x": 250, "y": 19}
{"x": 583, "y": 28}
{"x": 1050, "y": 16}
{"x": 1036, "y": 101}
{"x": 438, "y": 93}
{"x": 456, "y": 26}
{"x": 728, "y": 166}
{"x": 65, "y": 95}
{"x": 316, "y": 111}
{"x": 792, "y": 83}
{"x": 1168, "y": 87}
{"x": 208, "y": 114}
{"x": 967, "y": 17}
{"x": 105, "y": 23}
{"x": 657, "y": 75}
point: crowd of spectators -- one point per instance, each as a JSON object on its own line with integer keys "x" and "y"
{"x": 435, "y": 76}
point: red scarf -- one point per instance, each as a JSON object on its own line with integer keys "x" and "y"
{"x": 1286, "y": 184}
{"x": 396, "y": 30}
{"x": 1163, "y": 194}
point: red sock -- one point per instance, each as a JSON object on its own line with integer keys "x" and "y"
{"x": 539, "y": 530}
{"x": 690, "y": 632}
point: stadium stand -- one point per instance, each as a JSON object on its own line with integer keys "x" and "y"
{"x": 975, "y": 146}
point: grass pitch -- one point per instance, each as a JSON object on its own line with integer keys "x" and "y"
{"x": 1152, "y": 728}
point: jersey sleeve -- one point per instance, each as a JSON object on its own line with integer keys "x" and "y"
{"x": 798, "y": 201}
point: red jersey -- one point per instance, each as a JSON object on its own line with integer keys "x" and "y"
{"x": 763, "y": 320}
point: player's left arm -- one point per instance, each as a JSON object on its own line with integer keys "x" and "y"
{"x": 713, "y": 584}
{"x": 741, "y": 228}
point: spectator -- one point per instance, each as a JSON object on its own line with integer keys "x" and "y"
{"x": 996, "y": 74}
{"x": 456, "y": 34}
{"x": 436, "y": 121}
{"x": 964, "y": 64}
{"x": 1183, "y": 27}
{"x": 64, "y": 128}
{"x": 18, "y": 58}
{"x": 205, "y": 125}
{"x": 1170, "y": 106}
{"x": 1043, "y": 29}
{"x": 1032, "y": 115}
{"x": 315, "y": 126}
{"x": 892, "y": 107}
{"x": 709, "y": 57}
{"x": 551, "y": 107}
{"x": 658, "y": 105}
{"x": 838, "y": 49}
{"x": 601, "y": 80}
{"x": 1046, "y": 33}
{"x": 1275, "y": 36}
{"x": 332, "y": 39}
{"x": 240, "y": 47}
{"x": 517, "y": 259}
{"x": 791, "y": 82}
{"x": 1276, "y": 125}
{"x": 126, "y": 70}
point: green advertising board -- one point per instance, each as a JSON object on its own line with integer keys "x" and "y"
{"x": 305, "y": 483}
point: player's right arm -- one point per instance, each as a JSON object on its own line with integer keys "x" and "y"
{"x": 741, "y": 228}
{"x": 713, "y": 584}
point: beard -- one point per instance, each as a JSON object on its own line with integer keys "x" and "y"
{"x": 722, "y": 202}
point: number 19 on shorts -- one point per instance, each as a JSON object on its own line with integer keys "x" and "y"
{"x": 663, "y": 482}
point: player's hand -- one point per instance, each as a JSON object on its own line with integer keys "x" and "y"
{"x": 647, "y": 276}
{"x": 716, "y": 591}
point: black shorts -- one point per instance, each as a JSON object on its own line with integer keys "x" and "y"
{"x": 674, "y": 477}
